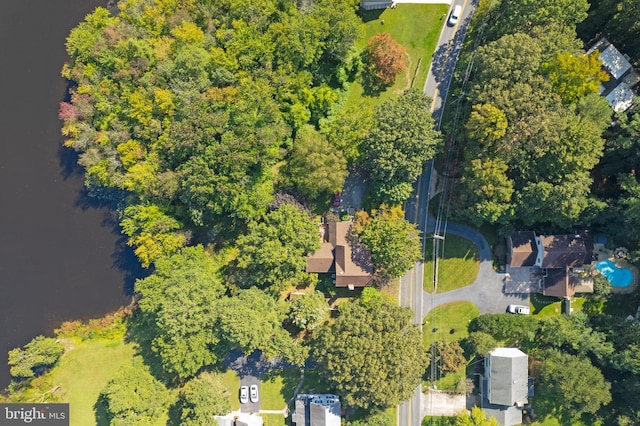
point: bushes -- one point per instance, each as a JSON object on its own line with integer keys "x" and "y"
{"x": 37, "y": 356}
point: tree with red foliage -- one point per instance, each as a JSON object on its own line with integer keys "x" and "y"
{"x": 385, "y": 57}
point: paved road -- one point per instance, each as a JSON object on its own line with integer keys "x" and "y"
{"x": 436, "y": 86}
{"x": 446, "y": 56}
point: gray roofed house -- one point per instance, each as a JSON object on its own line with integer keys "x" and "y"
{"x": 622, "y": 77}
{"x": 505, "y": 385}
{"x": 317, "y": 410}
{"x": 376, "y": 4}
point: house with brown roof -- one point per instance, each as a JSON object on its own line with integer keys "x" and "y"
{"x": 342, "y": 255}
{"x": 554, "y": 265}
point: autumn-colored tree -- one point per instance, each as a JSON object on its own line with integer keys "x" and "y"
{"x": 385, "y": 57}
{"x": 575, "y": 76}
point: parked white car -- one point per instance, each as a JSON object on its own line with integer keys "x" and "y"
{"x": 253, "y": 393}
{"x": 518, "y": 309}
{"x": 455, "y": 15}
{"x": 244, "y": 394}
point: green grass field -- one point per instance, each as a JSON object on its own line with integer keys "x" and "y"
{"x": 276, "y": 388}
{"x": 546, "y": 306}
{"x": 231, "y": 381}
{"x": 84, "y": 371}
{"x": 454, "y": 315}
{"x": 446, "y": 318}
{"x": 459, "y": 267}
{"x": 417, "y": 28}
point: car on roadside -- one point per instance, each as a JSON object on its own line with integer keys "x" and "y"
{"x": 518, "y": 309}
{"x": 253, "y": 393}
{"x": 244, "y": 394}
{"x": 455, "y": 15}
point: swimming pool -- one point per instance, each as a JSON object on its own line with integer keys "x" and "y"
{"x": 618, "y": 277}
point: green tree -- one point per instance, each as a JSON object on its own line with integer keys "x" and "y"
{"x": 571, "y": 386}
{"x": 573, "y": 334}
{"x": 486, "y": 191}
{"x": 487, "y": 123}
{"x": 314, "y": 167}
{"x": 512, "y": 330}
{"x": 385, "y": 57}
{"x": 523, "y": 15}
{"x": 631, "y": 203}
{"x": 253, "y": 320}
{"x": 516, "y": 57}
{"x": 151, "y": 232}
{"x": 477, "y": 417}
{"x": 479, "y": 343}
{"x": 309, "y": 310}
{"x": 347, "y": 129}
{"x": 449, "y": 357}
{"x": 179, "y": 303}
{"x": 273, "y": 252}
{"x": 399, "y": 143}
{"x": 372, "y": 356}
{"x": 38, "y": 355}
{"x": 134, "y": 396}
{"x": 377, "y": 418}
{"x": 202, "y": 398}
{"x": 394, "y": 243}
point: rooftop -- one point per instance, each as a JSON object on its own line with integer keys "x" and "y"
{"x": 341, "y": 253}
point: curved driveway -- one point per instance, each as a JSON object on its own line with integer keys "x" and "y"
{"x": 486, "y": 291}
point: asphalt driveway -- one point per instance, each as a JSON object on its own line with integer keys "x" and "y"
{"x": 486, "y": 292}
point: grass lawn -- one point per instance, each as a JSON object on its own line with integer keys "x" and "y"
{"x": 449, "y": 382}
{"x": 276, "y": 388}
{"x": 417, "y": 28}
{"x": 231, "y": 381}
{"x": 457, "y": 269}
{"x": 273, "y": 419}
{"x": 313, "y": 383}
{"x": 455, "y": 315}
{"x": 85, "y": 370}
{"x": 546, "y": 306}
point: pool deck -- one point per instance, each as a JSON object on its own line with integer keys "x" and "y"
{"x": 620, "y": 263}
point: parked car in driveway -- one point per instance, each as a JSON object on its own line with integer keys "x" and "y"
{"x": 244, "y": 394}
{"x": 253, "y": 393}
{"x": 337, "y": 199}
{"x": 518, "y": 309}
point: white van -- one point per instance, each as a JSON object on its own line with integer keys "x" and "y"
{"x": 455, "y": 15}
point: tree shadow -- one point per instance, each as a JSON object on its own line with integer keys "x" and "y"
{"x": 371, "y": 85}
{"x": 126, "y": 262}
{"x": 140, "y": 330}
{"x": 101, "y": 413}
{"x": 290, "y": 379}
{"x": 175, "y": 411}
{"x": 370, "y": 15}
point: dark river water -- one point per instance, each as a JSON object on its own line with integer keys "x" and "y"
{"x": 60, "y": 257}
